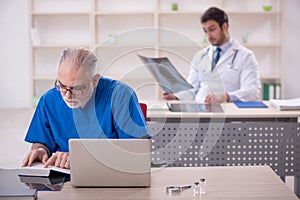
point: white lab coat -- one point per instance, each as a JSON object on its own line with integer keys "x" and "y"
{"x": 238, "y": 77}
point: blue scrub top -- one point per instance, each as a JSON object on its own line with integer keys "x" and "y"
{"x": 112, "y": 112}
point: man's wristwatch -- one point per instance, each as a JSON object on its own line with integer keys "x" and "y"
{"x": 43, "y": 150}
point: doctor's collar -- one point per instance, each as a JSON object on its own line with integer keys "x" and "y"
{"x": 225, "y": 46}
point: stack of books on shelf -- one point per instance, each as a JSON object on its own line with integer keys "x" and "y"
{"x": 271, "y": 91}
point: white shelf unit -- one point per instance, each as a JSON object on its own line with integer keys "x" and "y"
{"x": 116, "y": 32}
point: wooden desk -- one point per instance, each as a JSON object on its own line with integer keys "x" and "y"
{"x": 256, "y": 182}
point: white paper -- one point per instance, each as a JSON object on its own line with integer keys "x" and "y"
{"x": 286, "y": 104}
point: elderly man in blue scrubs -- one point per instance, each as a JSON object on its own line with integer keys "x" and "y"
{"x": 83, "y": 104}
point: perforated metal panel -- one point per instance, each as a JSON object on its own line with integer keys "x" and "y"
{"x": 276, "y": 144}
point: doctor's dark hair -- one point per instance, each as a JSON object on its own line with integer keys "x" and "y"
{"x": 216, "y": 14}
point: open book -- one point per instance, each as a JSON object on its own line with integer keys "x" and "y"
{"x": 37, "y": 169}
{"x": 165, "y": 74}
{"x": 288, "y": 104}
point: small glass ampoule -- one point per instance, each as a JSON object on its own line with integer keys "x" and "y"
{"x": 196, "y": 188}
{"x": 202, "y": 186}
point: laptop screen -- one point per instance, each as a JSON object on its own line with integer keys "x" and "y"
{"x": 194, "y": 107}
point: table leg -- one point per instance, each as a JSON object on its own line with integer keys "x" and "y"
{"x": 296, "y": 186}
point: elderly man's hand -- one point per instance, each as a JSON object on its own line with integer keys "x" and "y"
{"x": 59, "y": 159}
{"x": 39, "y": 154}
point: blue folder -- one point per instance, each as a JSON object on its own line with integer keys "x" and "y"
{"x": 251, "y": 104}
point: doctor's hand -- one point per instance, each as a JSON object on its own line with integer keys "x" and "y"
{"x": 216, "y": 98}
{"x": 167, "y": 96}
{"x": 59, "y": 159}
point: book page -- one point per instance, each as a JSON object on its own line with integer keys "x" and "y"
{"x": 38, "y": 169}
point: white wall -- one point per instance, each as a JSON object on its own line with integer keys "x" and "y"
{"x": 291, "y": 48}
{"x": 14, "y": 67}
{"x": 15, "y": 71}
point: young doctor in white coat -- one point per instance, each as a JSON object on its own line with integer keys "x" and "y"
{"x": 234, "y": 77}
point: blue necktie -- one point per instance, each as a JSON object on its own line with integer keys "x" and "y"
{"x": 216, "y": 59}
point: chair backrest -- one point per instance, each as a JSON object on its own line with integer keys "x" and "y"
{"x": 144, "y": 109}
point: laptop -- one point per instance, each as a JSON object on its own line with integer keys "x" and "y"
{"x": 110, "y": 162}
{"x": 194, "y": 107}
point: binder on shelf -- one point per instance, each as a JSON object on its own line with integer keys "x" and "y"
{"x": 278, "y": 91}
{"x": 271, "y": 91}
{"x": 265, "y": 91}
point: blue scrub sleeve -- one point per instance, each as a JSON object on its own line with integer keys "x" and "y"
{"x": 128, "y": 117}
{"x": 39, "y": 129}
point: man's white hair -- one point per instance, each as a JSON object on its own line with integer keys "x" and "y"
{"x": 78, "y": 57}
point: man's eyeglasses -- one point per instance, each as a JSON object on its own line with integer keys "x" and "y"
{"x": 76, "y": 90}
